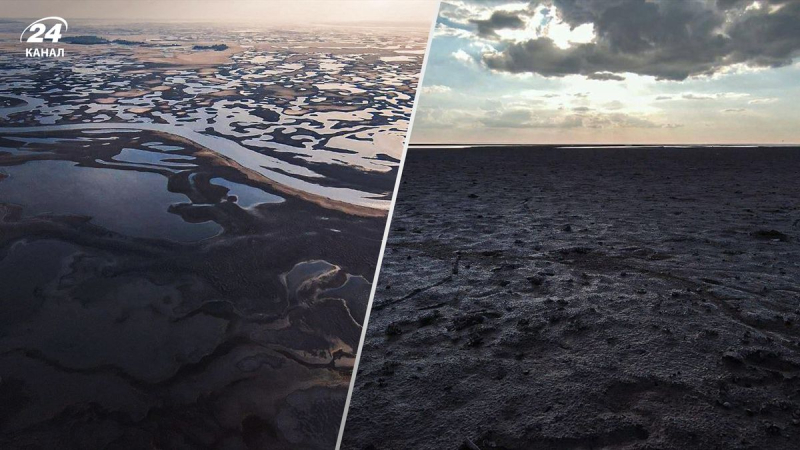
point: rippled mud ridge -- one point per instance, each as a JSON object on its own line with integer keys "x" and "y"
{"x": 587, "y": 298}
{"x": 155, "y": 295}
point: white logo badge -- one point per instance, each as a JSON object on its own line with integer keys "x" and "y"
{"x": 41, "y": 31}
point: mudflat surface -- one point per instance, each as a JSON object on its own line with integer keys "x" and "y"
{"x": 587, "y": 298}
{"x": 189, "y": 228}
{"x": 152, "y": 295}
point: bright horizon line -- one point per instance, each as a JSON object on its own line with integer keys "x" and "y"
{"x": 709, "y": 144}
{"x": 289, "y": 12}
{"x": 238, "y": 22}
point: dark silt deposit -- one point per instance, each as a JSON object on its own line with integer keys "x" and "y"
{"x": 154, "y": 295}
{"x": 554, "y": 298}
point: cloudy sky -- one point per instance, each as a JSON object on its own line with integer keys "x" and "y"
{"x": 613, "y": 71}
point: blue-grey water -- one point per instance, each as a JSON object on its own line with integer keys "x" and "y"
{"x": 124, "y": 201}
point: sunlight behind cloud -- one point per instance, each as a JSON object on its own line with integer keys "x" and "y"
{"x": 546, "y": 23}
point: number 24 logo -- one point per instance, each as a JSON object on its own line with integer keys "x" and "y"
{"x": 40, "y": 32}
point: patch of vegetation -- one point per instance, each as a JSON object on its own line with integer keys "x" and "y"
{"x": 85, "y": 40}
{"x": 127, "y": 42}
{"x": 216, "y": 48}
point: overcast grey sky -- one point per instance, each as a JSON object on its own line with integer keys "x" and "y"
{"x": 266, "y": 12}
{"x": 613, "y": 71}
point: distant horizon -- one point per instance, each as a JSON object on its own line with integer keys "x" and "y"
{"x": 289, "y": 12}
{"x": 425, "y": 24}
{"x": 461, "y": 145}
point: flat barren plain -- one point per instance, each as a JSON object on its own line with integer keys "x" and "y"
{"x": 562, "y": 298}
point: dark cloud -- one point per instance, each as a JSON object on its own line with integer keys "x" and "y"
{"x": 578, "y": 12}
{"x": 542, "y": 56}
{"x": 605, "y": 76}
{"x": 767, "y": 39}
{"x": 667, "y": 39}
{"x": 499, "y": 20}
{"x": 732, "y": 4}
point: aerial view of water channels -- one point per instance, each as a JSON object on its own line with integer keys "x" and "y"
{"x": 190, "y": 220}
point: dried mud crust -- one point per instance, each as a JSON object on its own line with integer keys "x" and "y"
{"x": 540, "y": 298}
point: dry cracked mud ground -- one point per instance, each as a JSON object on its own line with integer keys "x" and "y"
{"x": 542, "y": 298}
